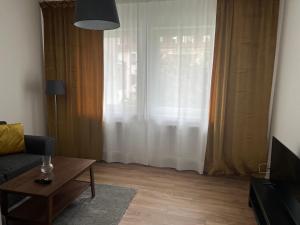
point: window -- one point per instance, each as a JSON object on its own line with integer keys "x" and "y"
{"x": 158, "y": 64}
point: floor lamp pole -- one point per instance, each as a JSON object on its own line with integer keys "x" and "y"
{"x": 55, "y": 88}
{"x": 56, "y": 117}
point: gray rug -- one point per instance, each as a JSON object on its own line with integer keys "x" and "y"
{"x": 107, "y": 208}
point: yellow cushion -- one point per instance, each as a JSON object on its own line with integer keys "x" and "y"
{"x": 12, "y": 138}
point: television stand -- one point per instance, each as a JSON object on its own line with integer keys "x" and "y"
{"x": 269, "y": 205}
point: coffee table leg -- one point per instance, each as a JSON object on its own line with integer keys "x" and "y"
{"x": 49, "y": 210}
{"x": 92, "y": 180}
{"x": 4, "y": 204}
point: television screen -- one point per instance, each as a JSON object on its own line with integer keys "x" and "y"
{"x": 285, "y": 176}
{"x": 285, "y": 165}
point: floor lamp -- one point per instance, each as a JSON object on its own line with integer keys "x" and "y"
{"x": 55, "y": 88}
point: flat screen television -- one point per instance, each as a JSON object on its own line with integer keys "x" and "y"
{"x": 285, "y": 176}
{"x": 285, "y": 165}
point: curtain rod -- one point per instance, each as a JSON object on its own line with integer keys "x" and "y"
{"x": 71, "y": 3}
{"x": 120, "y": 1}
{"x": 56, "y": 3}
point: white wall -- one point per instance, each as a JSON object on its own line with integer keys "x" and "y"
{"x": 286, "y": 111}
{"x": 21, "y": 76}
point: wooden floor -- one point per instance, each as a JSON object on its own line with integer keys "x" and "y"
{"x": 169, "y": 197}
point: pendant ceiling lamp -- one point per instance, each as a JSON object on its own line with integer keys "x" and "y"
{"x": 96, "y": 14}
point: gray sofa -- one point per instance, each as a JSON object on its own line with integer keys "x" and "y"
{"x": 13, "y": 165}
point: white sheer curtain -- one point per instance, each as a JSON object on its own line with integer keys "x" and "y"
{"x": 158, "y": 69}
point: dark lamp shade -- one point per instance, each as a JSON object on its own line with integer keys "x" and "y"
{"x": 96, "y": 14}
{"x": 55, "y": 87}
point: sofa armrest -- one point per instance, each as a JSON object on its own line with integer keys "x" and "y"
{"x": 39, "y": 145}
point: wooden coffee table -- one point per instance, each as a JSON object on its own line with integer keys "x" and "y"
{"x": 47, "y": 201}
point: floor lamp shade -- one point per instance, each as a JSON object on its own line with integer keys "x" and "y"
{"x": 96, "y": 14}
{"x": 55, "y": 87}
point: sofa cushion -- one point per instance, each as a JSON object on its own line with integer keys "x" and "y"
{"x": 15, "y": 164}
{"x": 12, "y": 139}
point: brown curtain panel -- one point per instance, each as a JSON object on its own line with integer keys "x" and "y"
{"x": 75, "y": 56}
{"x": 241, "y": 86}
